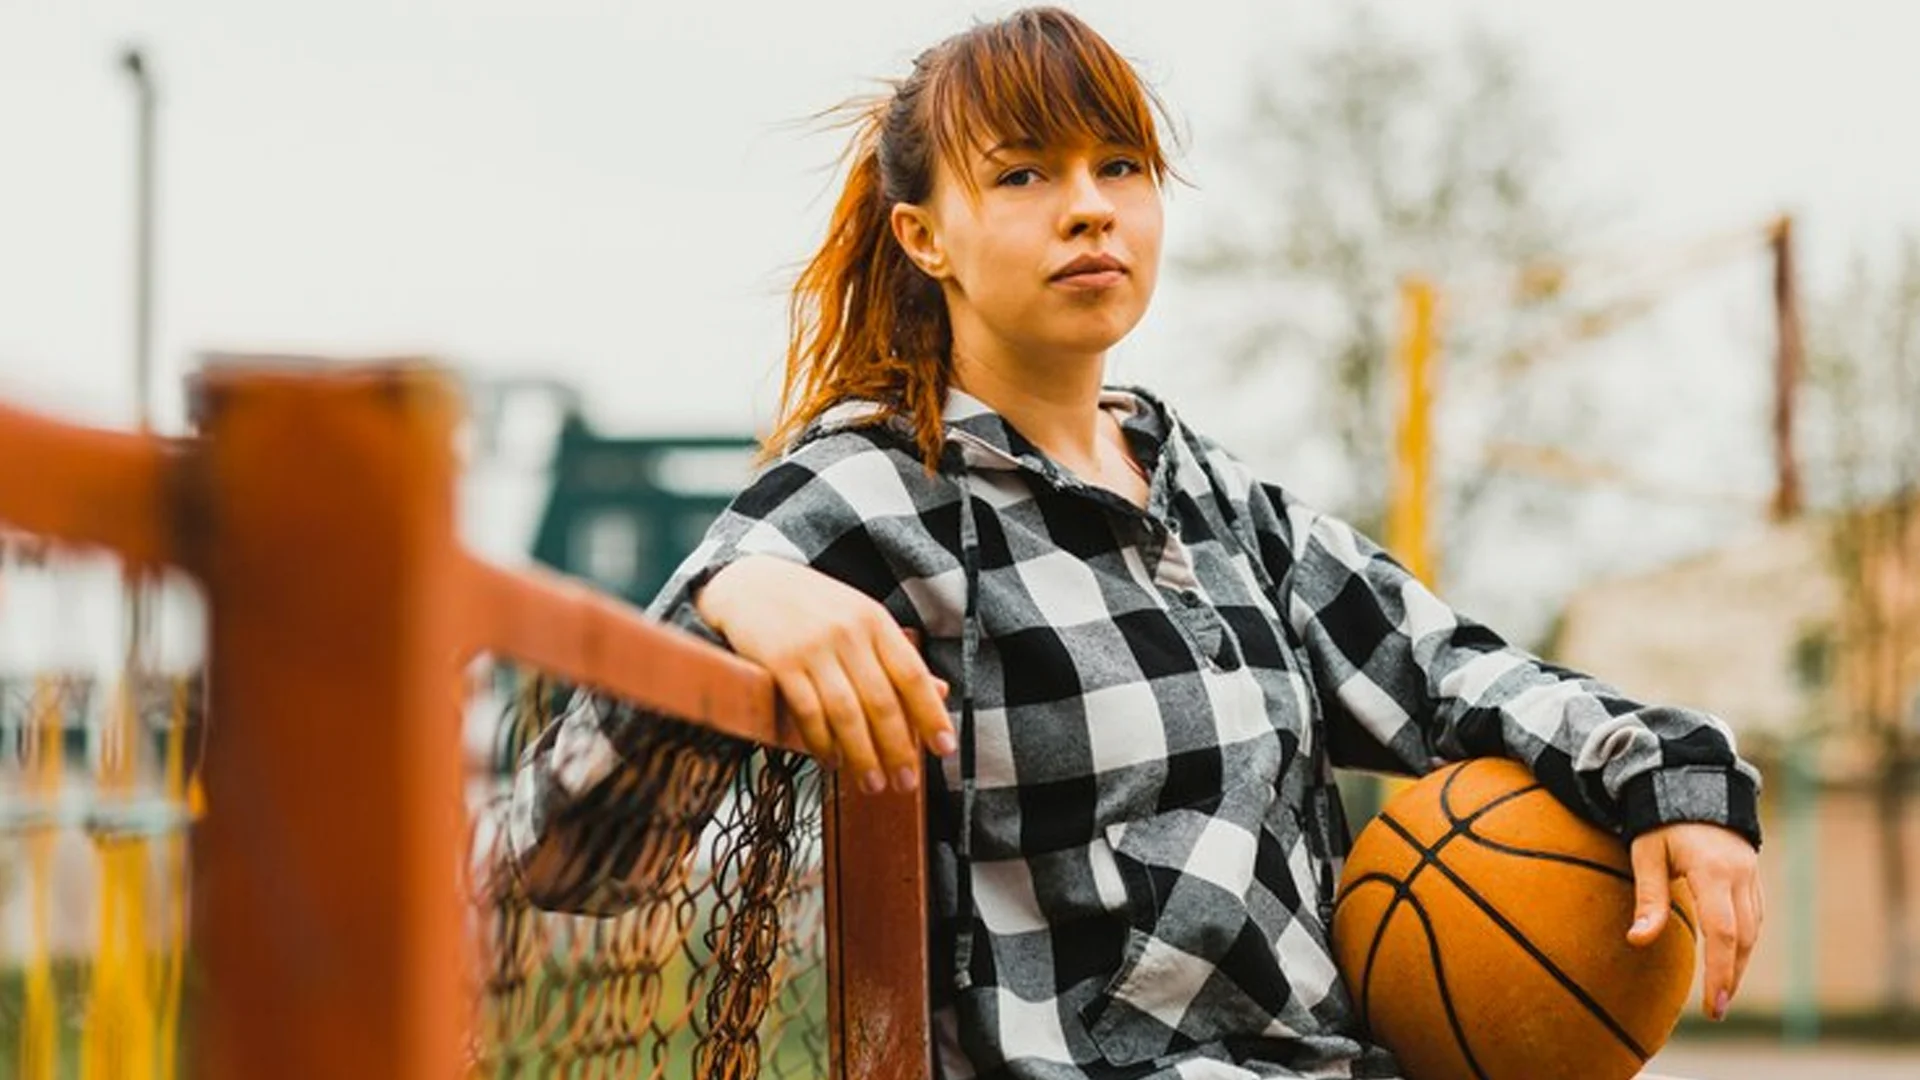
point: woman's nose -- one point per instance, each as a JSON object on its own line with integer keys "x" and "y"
{"x": 1088, "y": 209}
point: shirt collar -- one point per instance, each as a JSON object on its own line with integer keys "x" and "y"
{"x": 993, "y": 443}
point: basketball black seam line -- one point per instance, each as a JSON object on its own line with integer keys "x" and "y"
{"x": 1579, "y": 993}
{"x": 1401, "y": 892}
{"x": 1457, "y": 823}
{"x": 1440, "y": 984}
{"x": 1379, "y": 933}
{"x": 1446, "y": 797}
{"x": 1461, "y": 828}
{"x": 1575, "y": 860}
{"x": 1446, "y": 808}
{"x": 1404, "y": 890}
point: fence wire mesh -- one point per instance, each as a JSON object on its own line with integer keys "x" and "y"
{"x": 716, "y": 969}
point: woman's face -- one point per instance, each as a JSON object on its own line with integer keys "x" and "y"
{"x": 1053, "y": 253}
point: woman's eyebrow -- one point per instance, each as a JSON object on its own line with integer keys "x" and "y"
{"x": 1036, "y": 146}
{"x": 1029, "y": 145}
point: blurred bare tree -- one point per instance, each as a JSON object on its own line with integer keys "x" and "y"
{"x": 1863, "y": 398}
{"x": 1369, "y": 158}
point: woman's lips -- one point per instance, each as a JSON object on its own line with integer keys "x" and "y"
{"x": 1091, "y": 279}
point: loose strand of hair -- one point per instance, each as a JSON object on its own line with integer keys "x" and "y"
{"x": 845, "y": 340}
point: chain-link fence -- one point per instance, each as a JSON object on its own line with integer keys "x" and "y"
{"x": 717, "y": 969}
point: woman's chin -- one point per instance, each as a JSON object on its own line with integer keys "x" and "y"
{"x": 1093, "y": 332}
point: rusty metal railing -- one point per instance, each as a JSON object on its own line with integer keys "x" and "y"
{"x": 315, "y": 510}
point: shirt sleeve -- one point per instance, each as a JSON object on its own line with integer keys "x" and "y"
{"x": 603, "y": 773}
{"x": 1410, "y": 684}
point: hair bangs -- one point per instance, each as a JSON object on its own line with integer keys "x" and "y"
{"x": 1043, "y": 78}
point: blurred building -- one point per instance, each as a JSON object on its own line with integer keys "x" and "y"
{"x": 621, "y": 511}
{"x": 624, "y": 512}
{"x": 1806, "y": 638}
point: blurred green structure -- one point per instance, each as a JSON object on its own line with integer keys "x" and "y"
{"x": 623, "y": 512}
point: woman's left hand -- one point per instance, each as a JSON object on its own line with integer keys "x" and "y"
{"x": 1723, "y": 870}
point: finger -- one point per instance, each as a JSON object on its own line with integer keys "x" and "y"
{"x": 1748, "y": 919}
{"x": 1651, "y": 890}
{"x": 1720, "y": 927}
{"x": 803, "y": 706}
{"x": 848, "y": 720}
{"x": 886, "y": 715}
{"x": 919, "y": 691}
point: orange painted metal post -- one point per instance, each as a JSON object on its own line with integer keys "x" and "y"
{"x": 1789, "y": 361}
{"x": 877, "y": 974}
{"x": 79, "y": 485}
{"x": 326, "y": 908}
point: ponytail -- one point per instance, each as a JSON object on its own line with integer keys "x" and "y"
{"x": 864, "y": 321}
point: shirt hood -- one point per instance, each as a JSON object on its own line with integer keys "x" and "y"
{"x": 987, "y": 441}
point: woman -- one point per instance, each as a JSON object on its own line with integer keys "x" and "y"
{"x": 1140, "y": 662}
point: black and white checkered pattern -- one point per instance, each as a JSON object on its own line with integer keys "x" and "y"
{"x": 1136, "y": 849}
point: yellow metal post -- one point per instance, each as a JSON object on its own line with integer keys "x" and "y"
{"x": 117, "y": 1037}
{"x": 173, "y": 953}
{"x": 39, "y": 1053}
{"x": 1410, "y": 494}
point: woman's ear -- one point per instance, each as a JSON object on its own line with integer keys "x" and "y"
{"x": 919, "y": 236}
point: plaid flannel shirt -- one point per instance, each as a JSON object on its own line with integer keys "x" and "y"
{"x": 1135, "y": 850}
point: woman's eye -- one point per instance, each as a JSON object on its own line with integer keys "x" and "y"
{"x": 1122, "y": 167}
{"x": 1018, "y": 177}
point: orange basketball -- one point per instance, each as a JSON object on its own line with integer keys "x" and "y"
{"x": 1481, "y": 928}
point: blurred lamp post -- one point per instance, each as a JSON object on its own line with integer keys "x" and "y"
{"x": 135, "y": 65}
{"x": 140, "y": 585}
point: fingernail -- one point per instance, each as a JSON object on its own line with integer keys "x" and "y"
{"x": 907, "y": 778}
{"x": 944, "y": 743}
{"x": 1640, "y": 924}
{"x": 874, "y": 782}
{"x": 1720, "y": 1006}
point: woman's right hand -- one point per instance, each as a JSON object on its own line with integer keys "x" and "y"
{"x": 857, "y": 689}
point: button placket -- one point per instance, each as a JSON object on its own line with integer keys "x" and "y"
{"x": 1199, "y": 624}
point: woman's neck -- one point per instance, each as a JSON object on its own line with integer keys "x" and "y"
{"x": 1054, "y": 403}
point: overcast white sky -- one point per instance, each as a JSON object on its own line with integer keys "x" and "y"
{"x": 613, "y": 192}
{"x": 606, "y": 191}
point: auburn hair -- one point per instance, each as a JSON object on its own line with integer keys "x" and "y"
{"x": 865, "y": 322}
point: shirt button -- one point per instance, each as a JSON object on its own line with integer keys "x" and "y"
{"x": 1190, "y": 598}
